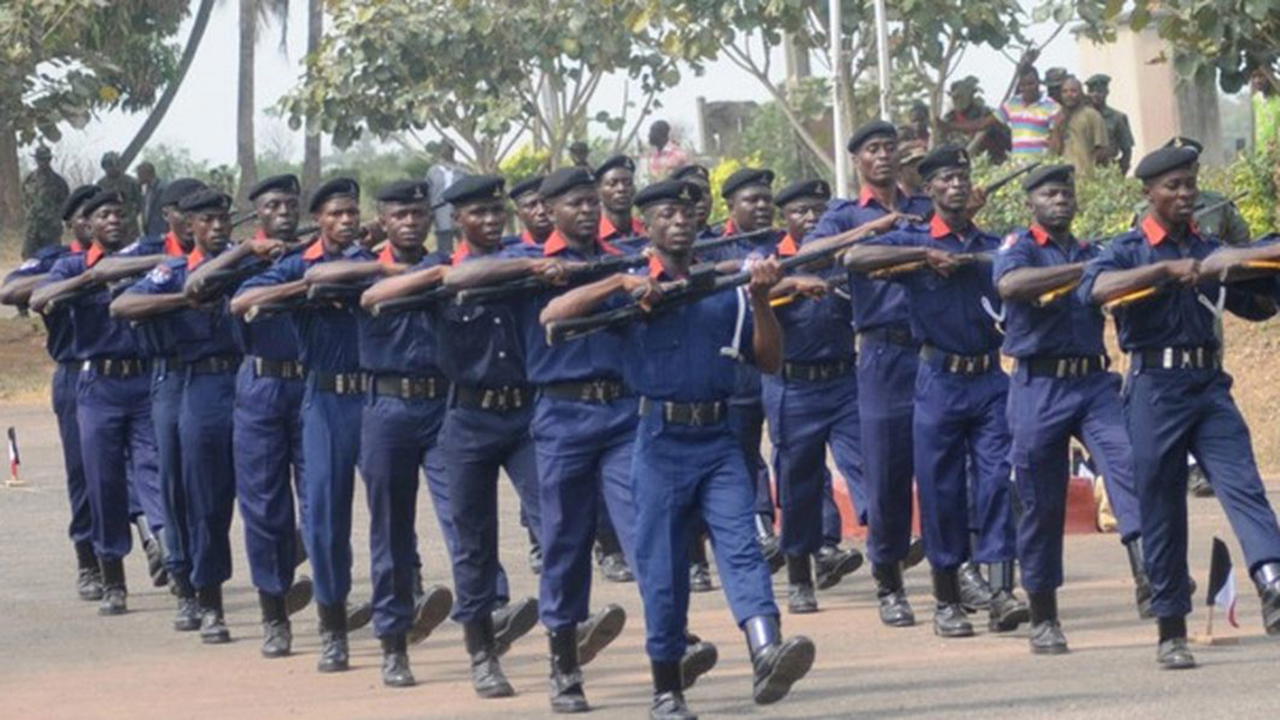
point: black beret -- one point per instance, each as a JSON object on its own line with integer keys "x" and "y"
{"x": 526, "y": 186}
{"x": 685, "y": 171}
{"x": 1180, "y": 141}
{"x": 1163, "y": 160}
{"x": 565, "y": 179}
{"x": 1047, "y": 174}
{"x": 867, "y": 131}
{"x": 946, "y": 156}
{"x": 668, "y": 190}
{"x": 100, "y": 198}
{"x": 76, "y": 199}
{"x": 336, "y": 187}
{"x": 204, "y": 199}
{"x": 1098, "y": 79}
{"x": 617, "y": 161}
{"x": 743, "y": 178}
{"x": 178, "y": 189}
{"x": 474, "y": 188}
{"x": 404, "y": 191}
{"x": 818, "y": 189}
{"x": 287, "y": 183}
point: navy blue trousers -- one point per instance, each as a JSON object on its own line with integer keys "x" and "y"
{"x": 584, "y": 457}
{"x": 64, "y": 409}
{"x": 1044, "y": 414}
{"x": 208, "y": 473}
{"x": 805, "y": 418}
{"x": 746, "y": 420}
{"x": 166, "y": 403}
{"x": 267, "y": 437}
{"x": 475, "y": 445}
{"x": 886, "y": 401}
{"x": 961, "y": 418}
{"x": 682, "y": 474}
{"x": 331, "y": 444}
{"x": 1170, "y": 413}
{"x": 118, "y": 445}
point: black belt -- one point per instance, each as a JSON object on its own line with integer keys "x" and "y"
{"x": 409, "y": 387}
{"x": 601, "y": 391}
{"x": 696, "y": 414}
{"x": 72, "y": 366}
{"x": 817, "y": 372}
{"x": 168, "y": 364}
{"x": 500, "y": 399}
{"x": 891, "y": 334}
{"x": 214, "y": 365}
{"x": 960, "y": 364}
{"x": 1177, "y": 358}
{"x": 1066, "y": 366}
{"x": 283, "y": 369}
{"x": 118, "y": 367}
{"x": 339, "y": 383}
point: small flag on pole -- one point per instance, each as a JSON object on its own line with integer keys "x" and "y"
{"x": 15, "y": 460}
{"x": 1222, "y": 581}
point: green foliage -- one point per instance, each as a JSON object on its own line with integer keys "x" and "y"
{"x": 525, "y": 162}
{"x": 1106, "y": 199}
{"x": 60, "y": 60}
{"x": 771, "y": 143}
{"x": 720, "y": 173}
{"x": 1252, "y": 173}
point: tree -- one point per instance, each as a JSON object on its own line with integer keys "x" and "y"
{"x": 311, "y": 140}
{"x": 481, "y": 72}
{"x": 62, "y": 60}
{"x": 252, "y": 14}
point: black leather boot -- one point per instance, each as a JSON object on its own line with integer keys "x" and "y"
{"x": 359, "y": 614}
{"x": 769, "y": 544}
{"x": 668, "y": 698}
{"x": 88, "y": 574}
{"x": 777, "y": 663}
{"x": 114, "y": 590}
{"x": 299, "y": 594}
{"x": 213, "y": 627}
{"x": 1141, "y": 583}
{"x": 895, "y": 611}
{"x": 429, "y": 610}
{"x": 155, "y": 551}
{"x": 949, "y": 617}
{"x": 187, "y": 618}
{"x": 800, "y": 596}
{"x": 1172, "y": 653}
{"x": 698, "y": 659}
{"x": 334, "y": 655}
{"x": 487, "y": 677}
{"x": 1267, "y": 579}
{"x": 512, "y": 622}
{"x": 395, "y": 662}
{"x": 975, "y": 591}
{"x": 699, "y": 566}
{"x": 1007, "y": 611}
{"x": 831, "y": 564}
{"x": 277, "y": 631}
{"x": 1046, "y": 631}
{"x": 567, "y": 695}
{"x": 599, "y": 630}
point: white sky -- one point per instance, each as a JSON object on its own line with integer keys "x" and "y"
{"x": 202, "y": 117}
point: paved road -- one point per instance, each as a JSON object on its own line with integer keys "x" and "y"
{"x": 58, "y": 659}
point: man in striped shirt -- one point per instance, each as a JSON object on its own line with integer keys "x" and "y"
{"x": 1029, "y": 115}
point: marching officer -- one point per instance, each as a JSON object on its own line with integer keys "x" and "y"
{"x": 267, "y": 419}
{"x": 59, "y": 343}
{"x": 205, "y": 361}
{"x": 531, "y": 210}
{"x": 616, "y": 182}
{"x": 812, "y": 404}
{"x": 329, "y": 350}
{"x": 960, "y": 390}
{"x": 1177, "y": 397}
{"x": 1060, "y": 389}
{"x": 687, "y": 462}
{"x": 887, "y": 359}
{"x": 113, "y": 405}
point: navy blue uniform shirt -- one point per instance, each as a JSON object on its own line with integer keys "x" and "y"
{"x": 58, "y": 341}
{"x": 816, "y": 329}
{"x": 480, "y": 343}
{"x": 191, "y": 333}
{"x": 400, "y": 343}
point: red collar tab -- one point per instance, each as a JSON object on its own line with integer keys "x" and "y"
{"x": 315, "y": 251}
{"x": 865, "y": 196}
{"x": 558, "y": 243}
{"x": 195, "y": 258}
{"x": 173, "y": 246}
{"x": 607, "y": 229}
{"x": 1157, "y": 233}
{"x": 526, "y": 237}
{"x": 1039, "y": 234}
{"x": 76, "y": 247}
{"x": 94, "y": 254}
{"x": 387, "y": 257}
{"x": 730, "y": 228}
{"x": 788, "y": 246}
{"x": 656, "y": 268}
{"x": 462, "y": 252}
{"x": 260, "y": 234}
{"x": 938, "y": 228}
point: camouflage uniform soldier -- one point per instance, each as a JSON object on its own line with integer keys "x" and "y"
{"x": 43, "y": 192}
{"x": 117, "y": 180}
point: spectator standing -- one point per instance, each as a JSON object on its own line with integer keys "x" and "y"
{"x": 666, "y": 155}
{"x": 153, "y": 222}
{"x": 1029, "y": 115}
{"x": 1079, "y": 133}
{"x": 43, "y": 192}
{"x": 440, "y": 177}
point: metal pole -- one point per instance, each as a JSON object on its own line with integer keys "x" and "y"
{"x": 882, "y": 57}
{"x": 837, "y": 108}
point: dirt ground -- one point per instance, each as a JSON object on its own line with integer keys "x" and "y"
{"x": 58, "y": 659}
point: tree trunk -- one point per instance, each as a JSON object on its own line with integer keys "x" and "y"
{"x": 11, "y": 215}
{"x": 171, "y": 90}
{"x": 245, "y": 145}
{"x": 311, "y": 142}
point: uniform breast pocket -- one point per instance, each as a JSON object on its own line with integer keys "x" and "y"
{"x": 660, "y": 354}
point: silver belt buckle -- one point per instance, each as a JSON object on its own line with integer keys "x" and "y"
{"x": 1166, "y": 360}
